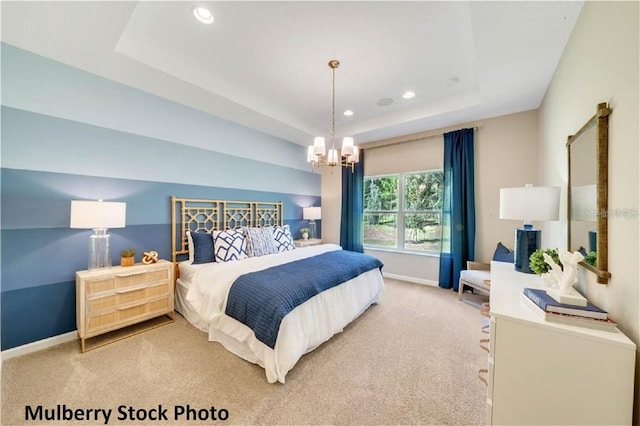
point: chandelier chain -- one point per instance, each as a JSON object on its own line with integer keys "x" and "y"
{"x": 348, "y": 155}
{"x": 333, "y": 104}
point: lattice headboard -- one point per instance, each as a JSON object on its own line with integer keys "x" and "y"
{"x": 197, "y": 215}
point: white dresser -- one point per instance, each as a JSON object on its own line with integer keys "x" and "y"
{"x": 545, "y": 373}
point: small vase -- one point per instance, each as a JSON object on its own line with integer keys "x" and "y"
{"x": 305, "y": 236}
{"x": 127, "y": 261}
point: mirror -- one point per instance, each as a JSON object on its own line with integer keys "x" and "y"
{"x": 587, "y": 192}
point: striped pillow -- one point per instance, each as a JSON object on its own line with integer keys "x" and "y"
{"x": 260, "y": 241}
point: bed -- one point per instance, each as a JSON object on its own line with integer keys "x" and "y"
{"x": 207, "y": 291}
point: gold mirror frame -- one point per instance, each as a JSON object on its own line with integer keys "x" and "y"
{"x": 581, "y": 139}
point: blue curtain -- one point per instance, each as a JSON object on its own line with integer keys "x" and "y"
{"x": 351, "y": 231}
{"x": 459, "y": 217}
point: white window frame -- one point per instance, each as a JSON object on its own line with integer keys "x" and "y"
{"x": 400, "y": 214}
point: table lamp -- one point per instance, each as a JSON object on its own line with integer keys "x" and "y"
{"x": 528, "y": 203}
{"x": 99, "y": 216}
{"x": 312, "y": 214}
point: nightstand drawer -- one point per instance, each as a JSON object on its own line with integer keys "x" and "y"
{"x": 124, "y": 279}
{"x": 126, "y": 296}
{"x": 123, "y": 314}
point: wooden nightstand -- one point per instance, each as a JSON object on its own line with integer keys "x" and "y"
{"x": 114, "y": 303}
{"x": 307, "y": 243}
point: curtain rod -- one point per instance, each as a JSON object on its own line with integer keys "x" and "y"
{"x": 415, "y": 139}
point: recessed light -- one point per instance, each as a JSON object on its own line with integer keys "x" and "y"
{"x": 408, "y": 94}
{"x": 348, "y": 112}
{"x": 203, "y": 15}
{"x": 384, "y": 101}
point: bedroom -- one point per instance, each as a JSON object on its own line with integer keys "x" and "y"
{"x": 93, "y": 145}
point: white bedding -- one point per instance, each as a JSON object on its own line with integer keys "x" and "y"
{"x": 202, "y": 293}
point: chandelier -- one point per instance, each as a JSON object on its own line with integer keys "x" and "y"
{"x": 317, "y": 154}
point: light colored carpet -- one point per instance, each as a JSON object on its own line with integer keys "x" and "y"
{"x": 412, "y": 359}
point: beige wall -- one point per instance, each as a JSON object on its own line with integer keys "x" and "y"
{"x": 331, "y": 193}
{"x": 600, "y": 64}
{"x": 506, "y": 155}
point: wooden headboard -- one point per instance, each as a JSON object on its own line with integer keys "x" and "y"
{"x": 199, "y": 215}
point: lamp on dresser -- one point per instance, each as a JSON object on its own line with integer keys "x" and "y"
{"x": 312, "y": 214}
{"x": 99, "y": 216}
{"x": 528, "y": 203}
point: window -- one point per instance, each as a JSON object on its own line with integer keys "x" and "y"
{"x": 380, "y": 211}
{"x": 404, "y": 211}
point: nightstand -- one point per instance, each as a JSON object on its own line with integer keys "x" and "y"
{"x": 118, "y": 302}
{"x": 308, "y": 242}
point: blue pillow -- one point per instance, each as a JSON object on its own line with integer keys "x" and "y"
{"x": 202, "y": 247}
{"x": 503, "y": 254}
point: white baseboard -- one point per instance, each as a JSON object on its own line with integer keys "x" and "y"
{"x": 410, "y": 279}
{"x": 39, "y": 345}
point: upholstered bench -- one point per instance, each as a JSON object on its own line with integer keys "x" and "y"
{"x": 477, "y": 276}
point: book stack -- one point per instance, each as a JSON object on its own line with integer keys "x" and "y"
{"x": 589, "y": 316}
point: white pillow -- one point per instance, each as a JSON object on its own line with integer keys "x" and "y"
{"x": 190, "y": 240}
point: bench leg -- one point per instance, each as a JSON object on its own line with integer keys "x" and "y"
{"x": 460, "y": 290}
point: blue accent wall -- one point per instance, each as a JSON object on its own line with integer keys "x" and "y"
{"x": 54, "y": 151}
{"x": 40, "y": 253}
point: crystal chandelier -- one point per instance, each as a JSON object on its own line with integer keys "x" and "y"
{"x": 317, "y": 154}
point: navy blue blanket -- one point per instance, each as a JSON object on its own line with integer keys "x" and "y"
{"x": 261, "y": 299}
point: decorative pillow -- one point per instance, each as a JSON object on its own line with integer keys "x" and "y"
{"x": 202, "y": 247}
{"x": 503, "y": 254}
{"x": 282, "y": 238}
{"x": 260, "y": 241}
{"x": 229, "y": 245}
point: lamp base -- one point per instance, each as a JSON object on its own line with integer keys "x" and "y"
{"x": 527, "y": 241}
{"x": 312, "y": 228}
{"x": 99, "y": 249}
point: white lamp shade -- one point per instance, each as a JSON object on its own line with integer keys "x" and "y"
{"x": 318, "y": 145}
{"x": 311, "y": 157}
{"x": 530, "y": 203}
{"x": 347, "y": 146}
{"x": 97, "y": 214}
{"x": 332, "y": 157}
{"x": 311, "y": 213}
{"x": 583, "y": 203}
{"x": 356, "y": 155}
